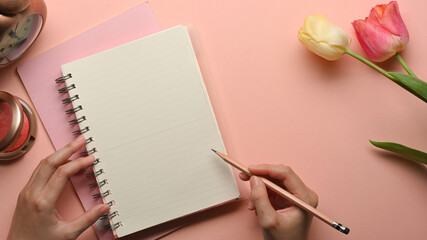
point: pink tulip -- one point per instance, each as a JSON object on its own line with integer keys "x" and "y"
{"x": 383, "y": 33}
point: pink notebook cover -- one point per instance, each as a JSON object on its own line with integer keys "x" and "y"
{"x": 39, "y": 73}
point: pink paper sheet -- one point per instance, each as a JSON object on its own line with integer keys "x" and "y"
{"x": 39, "y": 73}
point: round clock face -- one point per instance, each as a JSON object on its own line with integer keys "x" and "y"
{"x": 19, "y": 38}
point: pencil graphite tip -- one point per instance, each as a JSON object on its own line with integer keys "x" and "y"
{"x": 213, "y": 150}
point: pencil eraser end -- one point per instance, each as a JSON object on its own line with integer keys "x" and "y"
{"x": 341, "y": 228}
{"x": 346, "y": 230}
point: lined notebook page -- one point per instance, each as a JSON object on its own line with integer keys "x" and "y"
{"x": 152, "y": 124}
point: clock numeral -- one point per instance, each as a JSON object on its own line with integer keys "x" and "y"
{"x": 13, "y": 34}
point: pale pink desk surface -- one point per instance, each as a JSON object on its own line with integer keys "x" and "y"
{"x": 278, "y": 103}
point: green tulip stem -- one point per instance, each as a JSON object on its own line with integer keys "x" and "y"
{"x": 405, "y": 66}
{"x": 369, "y": 63}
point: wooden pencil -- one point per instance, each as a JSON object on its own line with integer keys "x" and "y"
{"x": 282, "y": 192}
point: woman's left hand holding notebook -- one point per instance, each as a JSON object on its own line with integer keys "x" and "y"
{"x": 36, "y": 216}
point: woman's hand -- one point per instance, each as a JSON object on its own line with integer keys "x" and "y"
{"x": 279, "y": 218}
{"x": 35, "y": 215}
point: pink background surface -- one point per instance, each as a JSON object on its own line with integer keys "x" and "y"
{"x": 278, "y": 103}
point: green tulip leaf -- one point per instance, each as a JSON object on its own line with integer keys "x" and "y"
{"x": 412, "y": 84}
{"x": 407, "y": 152}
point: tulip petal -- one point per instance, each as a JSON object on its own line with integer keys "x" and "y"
{"x": 321, "y": 49}
{"x": 323, "y": 38}
{"x": 321, "y": 30}
{"x": 392, "y": 21}
{"x": 375, "y": 15}
{"x": 378, "y": 43}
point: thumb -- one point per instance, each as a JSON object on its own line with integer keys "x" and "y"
{"x": 13, "y": 7}
{"x": 267, "y": 216}
{"x": 83, "y": 222}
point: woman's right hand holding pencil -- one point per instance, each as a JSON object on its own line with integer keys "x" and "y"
{"x": 279, "y": 218}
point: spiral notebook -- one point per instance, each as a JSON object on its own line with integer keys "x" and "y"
{"x": 37, "y": 74}
{"x": 147, "y": 118}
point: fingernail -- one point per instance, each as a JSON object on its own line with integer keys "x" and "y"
{"x": 242, "y": 175}
{"x": 104, "y": 209}
{"x": 90, "y": 159}
{"x": 251, "y": 205}
{"x": 253, "y": 167}
{"x": 80, "y": 139}
{"x": 255, "y": 181}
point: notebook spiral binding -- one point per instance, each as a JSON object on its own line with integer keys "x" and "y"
{"x": 97, "y": 174}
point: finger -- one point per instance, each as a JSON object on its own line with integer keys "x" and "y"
{"x": 33, "y": 175}
{"x": 50, "y": 163}
{"x": 251, "y": 205}
{"x": 80, "y": 224}
{"x": 58, "y": 180}
{"x": 267, "y": 216}
{"x": 284, "y": 173}
{"x": 10, "y": 8}
{"x": 243, "y": 176}
{"x": 290, "y": 179}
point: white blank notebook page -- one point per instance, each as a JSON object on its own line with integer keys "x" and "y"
{"x": 153, "y": 128}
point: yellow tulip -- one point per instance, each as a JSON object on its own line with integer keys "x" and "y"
{"x": 323, "y": 38}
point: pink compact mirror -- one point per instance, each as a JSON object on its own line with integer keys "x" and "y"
{"x": 18, "y": 127}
